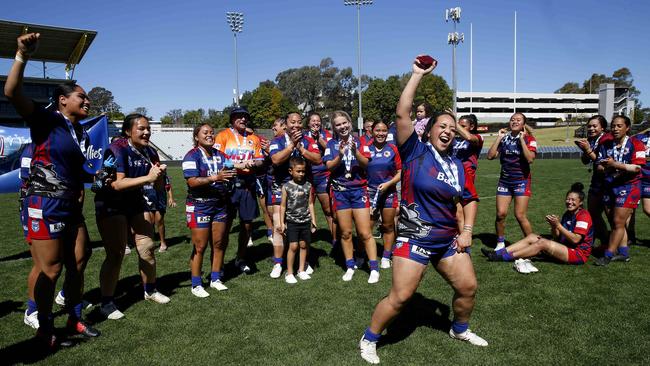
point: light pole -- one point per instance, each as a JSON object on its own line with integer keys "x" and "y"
{"x": 236, "y": 22}
{"x": 454, "y": 39}
{"x": 358, "y": 4}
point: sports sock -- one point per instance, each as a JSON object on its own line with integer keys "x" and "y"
{"x": 507, "y": 256}
{"x": 386, "y": 254}
{"x": 277, "y": 260}
{"x": 608, "y": 254}
{"x": 349, "y": 263}
{"x": 459, "y": 327}
{"x": 370, "y": 336}
{"x": 501, "y": 240}
{"x": 215, "y": 276}
{"x": 150, "y": 288}
{"x": 374, "y": 265}
{"x": 196, "y": 281}
{"x": 624, "y": 251}
{"x": 31, "y": 306}
{"x": 74, "y": 313}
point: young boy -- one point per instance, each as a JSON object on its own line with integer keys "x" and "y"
{"x": 297, "y": 217}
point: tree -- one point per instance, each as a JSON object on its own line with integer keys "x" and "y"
{"x": 103, "y": 102}
{"x": 141, "y": 110}
{"x": 570, "y": 88}
{"x": 381, "y": 97}
{"x": 173, "y": 117}
{"x": 302, "y": 86}
{"x": 434, "y": 90}
{"x": 267, "y": 103}
{"x": 194, "y": 117}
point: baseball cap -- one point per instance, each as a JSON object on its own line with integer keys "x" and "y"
{"x": 239, "y": 110}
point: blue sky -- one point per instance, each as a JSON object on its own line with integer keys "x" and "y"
{"x": 171, "y": 54}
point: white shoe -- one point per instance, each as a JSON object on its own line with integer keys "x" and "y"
{"x": 303, "y": 275}
{"x": 290, "y": 279}
{"x": 158, "y": 297}
{"x": 242, "y": 265}
{"x": 374, "y": 277}
{"x": 218, "y": 285}
{"x": 250, "y": 242}
{"x": 368, "y": 351}
{"x": 199, "y": 291}
{"x": 31, "y": 319}
{"x": 60, "y": 299}
{"x": 270, "y": 239}
{"x": 127, "y": 250}
{"x": 348, "y": 275}
{"x": 468, "y": 336}
{"x": 309, "y": 270}
{"x": 499, "y": 246}
{"x": 520, "y": 266}
{"x": 529, "y": 265}
{"x": 111, "y": 312}
{"x": 385, "y": 263}
{"x": 276, "y": 271}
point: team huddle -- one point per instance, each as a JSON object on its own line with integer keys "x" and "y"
{"x": 415, "y": 178}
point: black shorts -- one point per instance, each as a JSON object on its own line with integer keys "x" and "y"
{"x": 298, "y": 232}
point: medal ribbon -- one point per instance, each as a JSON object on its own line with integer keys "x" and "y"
{"x": 448, "y": 167}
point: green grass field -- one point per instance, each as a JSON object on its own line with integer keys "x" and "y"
{"x": 561, "y": 315}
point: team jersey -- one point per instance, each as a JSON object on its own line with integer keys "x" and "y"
{"x": 580, "y": 223}
{"x": 320, "y": 170}
{"x": 429, "y": 196}
{"x": 25, "y": 163}
{"x": 57, "y": 165}
{"x": 594, "y": 145}
{"x": 236, "y": 147}
{"x": 632, "y": 152}
{"x": 468, "y": 153}
{"x": 281, "y": 171}
{"x": 134, "y": 163}
{"x": 392, "y": 133}
{"x": 383, "y": 165}
{"x": 644, "y": 138}
{"x": 197, "y": 163}
{"x": 365, "y": 139}
{"x": 514, "y": 165}
{"x": 357, "y": 175}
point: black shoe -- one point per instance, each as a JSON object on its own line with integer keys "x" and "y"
{"x": 82, "y": 328}
{"x": 603, "y": 261}
{"x": 491, "y": 255}
{"x": 620, "y": 258}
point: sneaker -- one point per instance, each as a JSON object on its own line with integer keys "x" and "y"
{"x": 31, "y": 319}
{"x": 156, "y": 297}
{"x": 276, "y": 271}
{"x": 110, "y": 311}
{"x": 603, "y": 261}
{"x": 368, "y": 351}
{"x": 250, "y": 242}
{"x": 127, "y": 250}
{"x": 79, "y": 327}
{"x": 218, "y": 285}
{"x": 499, "y": 246}
{"x": 290, "y": 279}
{"x": 60, "y": 299}
{"x": 270, "y": 237}
{"x": 304, "y": 276}
{"x": 468, "y": 336}
{"x": 199, "y": 291}
{"x": 348, "y": 275}
{"x": 162, "y": 249}
{"x": 529, "y": 265}
{"x": 374, "y": 277}
{"x": 385, "y": 263}
{"x": 491, "y": 255}
{"x": 520, "y": 266}
{"x": 620, "y": 258}
{"x": 243, "y": 266}
{"x": 309, "y": 270}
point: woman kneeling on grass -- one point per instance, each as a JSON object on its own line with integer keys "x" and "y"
{"x": 432, "y": 184}
{"x": 574, "y": 234}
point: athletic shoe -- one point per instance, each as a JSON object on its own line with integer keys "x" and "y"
{"x": 250, "y": 242}
{"x": 500, "y": 246}
{"x": 491, "y": 255}
{"x": 468, "y": 336}
{"x": 374, "y": 277}
{"x": 60, "y": 299}
{"x": 127, "y": 250}
{"x": 162, "y": 249}
{"x": 31, "y": 319}
{"x": 385, "y": 263}
{"x": 270, "y": 237}
{"x": 520, "y": 266}
{"x": 602, "y": 261}
{"x": 156, "y": 297}
{"x": 110, "y": 311}
{"x": 79, "y": 327}
{"x": 304, "y": 275}
{"x": 529, "y": 265}
{"x": 218, "y": 285}
{"x": 309, "y": 270}
{"x": 621, "y": 258}
{"x": 368, "y": 351}
{"x": 290, "y": 279}
{"x": 199, "y": 291}
{"x": 348, "y": 275}
{"x": 276, "y": 271}
{"x": 243, "y": 266}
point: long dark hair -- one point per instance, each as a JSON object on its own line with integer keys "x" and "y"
{"x": 195, "y": 133}
{"x": 432, "y": 121}
{"x": 63, "y": 89}
{"x": 473, "y": 122}
{"x": 129, "y": 120}
{"x": 600, "y": 119}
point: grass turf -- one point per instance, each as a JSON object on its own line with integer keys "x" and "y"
{"x": 561, "y": 315}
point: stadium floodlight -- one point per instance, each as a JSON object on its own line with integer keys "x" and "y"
{"x": 454, "y": 38}
{"x": 358, "y": 4}
{"x": 236, "y": 22}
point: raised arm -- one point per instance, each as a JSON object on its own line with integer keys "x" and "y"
{"x": 466, "y": 135}
{"x": 27, "y": 44}
{"x": 404, "y": 125}
{"x": 493, "y": 152}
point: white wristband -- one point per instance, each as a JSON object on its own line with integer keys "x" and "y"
{"x": 19, "y": 58}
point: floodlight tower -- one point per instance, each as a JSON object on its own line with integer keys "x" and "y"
{"x": 236, "y": 22}
{"x": 358, "y": 4}
{"x": 454, "y": 38}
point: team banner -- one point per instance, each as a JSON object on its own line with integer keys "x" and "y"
{"x": 13, "y": 140}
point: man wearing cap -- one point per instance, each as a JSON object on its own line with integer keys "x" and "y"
{"x": 244, "y": 152}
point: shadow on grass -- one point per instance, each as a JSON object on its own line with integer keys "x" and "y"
{"x": 419, "y": 312}
{"x": 9, "y": 306}
{"x": 175, "y": 240}
{"x": 32, "y": 350}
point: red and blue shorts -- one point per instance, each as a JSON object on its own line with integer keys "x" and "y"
{"x": 320, "y": 183}
{"x": 421, "y": 254}
{"x": 51, "y": 218}
{"x": 514, "y": 188}
{"x": 625, "y": 196}
{"x": 201, "y": 214}
{"x": 350, "y": 199}
{"x": 577, "y": 256}
{"x": 384, "y": 200}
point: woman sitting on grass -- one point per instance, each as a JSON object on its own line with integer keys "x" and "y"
{"x": 573, "y": 235}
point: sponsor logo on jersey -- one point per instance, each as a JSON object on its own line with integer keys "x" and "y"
{"x": 57, "y": 227}
{"x": 581, "y": 225}
{"x": 420, "y": 251}
{"x": 203, "y": 219}
{"x": 36, "y": 225}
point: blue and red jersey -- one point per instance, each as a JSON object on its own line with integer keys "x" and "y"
{"x": 644, "y": 138}
{"x": 320, "y": 170}
{"x": 25, "y": 163}
{"x": 633, "y": 152}
{"x": 365, "y": 139}
{"x": 594, "y": 145}
{"x": 428, "y": 206}
{"x": 198, "y": 164}
{"x": 468, "y": 153}
{"x": 392, "y": 133}
{"x": 383, "y": 165}
{"x": 281, "y": 171}
{"x": 338, "y": 178}
{"x": 133, "y": 163}
{"x": 579, "y": 223}
{"x": 57, "y": 165}
{"x": 514, "y": 165}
